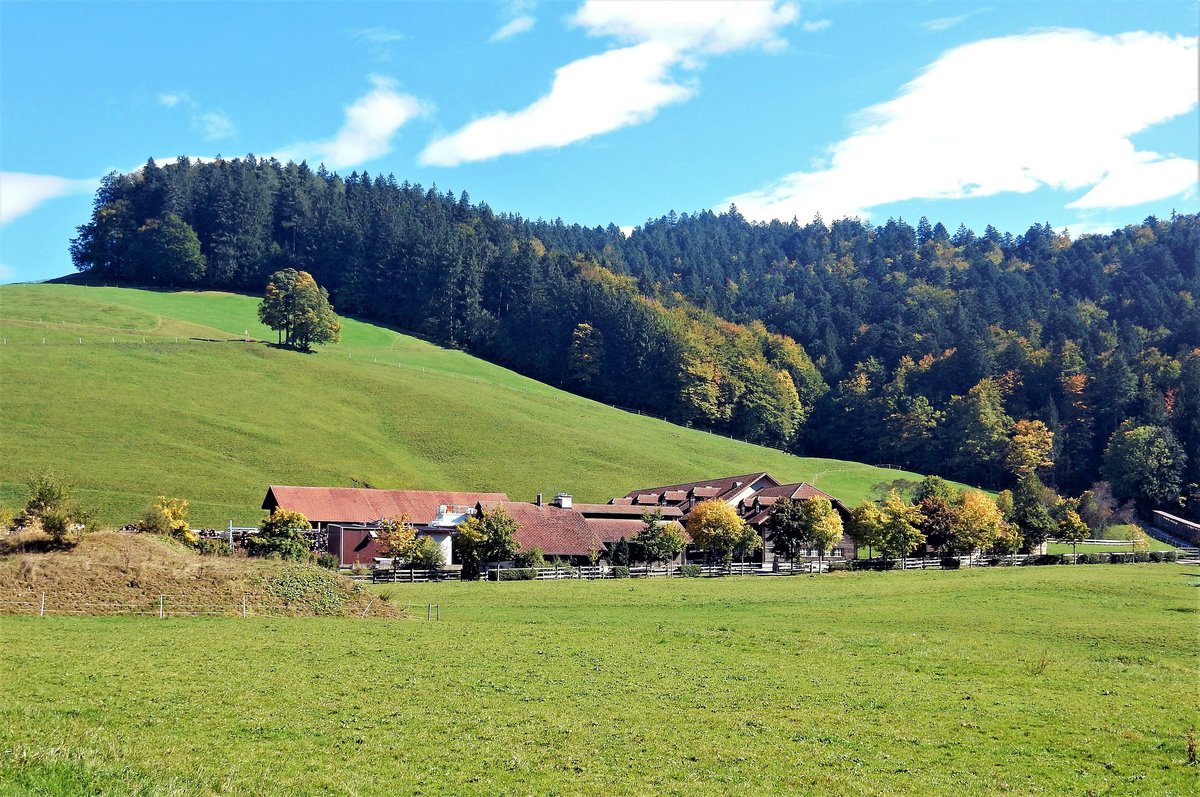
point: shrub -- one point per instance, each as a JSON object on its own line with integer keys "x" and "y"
{"x": 6, "y": 519}
{"x": 208, "y": 546}
{"x": 360, "y": 569}
{"x": 280, "y": 536}
{"x": 530, "y": 557}
{"x": 839, "y": 567}
{"x": 328, "y": 561}
{"x": 168, "y": 517}
{"x": 1046, "y": 559}
{"x": 1170, "y": 556}
{"x": 690, "y": 571}
{"x": 1120, "y": 558}
{"x": 1091, "y": 559}
{"x": 1141, "y": 556}
{"x": 619, "y": 571}
{"x": 427, "y": 555}
{"x": 950, "y": 563}
{"x": 874, "y": 564}
{"x": 516, "y": 574}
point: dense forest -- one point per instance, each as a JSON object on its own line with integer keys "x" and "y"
{"x": 888, "y": 344}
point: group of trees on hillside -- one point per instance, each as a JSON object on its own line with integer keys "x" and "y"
{"x": 928, "y": 349}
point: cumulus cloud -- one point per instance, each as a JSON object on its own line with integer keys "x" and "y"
{"x": 622, "y": 86}
{"x": 371, "y": 122}
{"x": 20, "y": 192}
{"x": 1054, "y": 109}
{"x": 513, "y": 27}
{"x": 815, "y": 25}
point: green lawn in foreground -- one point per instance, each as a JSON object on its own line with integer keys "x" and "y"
{"x": 1053, "y": 680}
{"x": 216, "y": 422}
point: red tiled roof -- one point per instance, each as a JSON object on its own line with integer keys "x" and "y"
{"x": 629, "y": 511}
{"x": 557, "y": 531}
{"x": 645, "y": 499}
{"x": 363, "y": 505}
{"x": 797, "y": 491}
{"x": 710, "y": 488}
{"x": 621, "y": 501}
{"x": 612, "y": 529}
{"x": 675, "y": 496}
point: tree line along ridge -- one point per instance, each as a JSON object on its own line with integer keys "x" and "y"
{"x": 912, "y": 346}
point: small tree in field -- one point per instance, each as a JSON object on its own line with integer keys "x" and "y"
{"x": 899, "y": 534}
{"x": 52, "y": 506}
{"x": 299, "y": 310}
{"x": 282, "y": 535}
{"x": 397, "y": 539}
{"x": 1071, "y": 527}
{"x": 821, "y": 527}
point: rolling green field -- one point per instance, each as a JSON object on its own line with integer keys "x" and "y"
{"x": 1053, "y": 680}
{"x": 133, "y": 393}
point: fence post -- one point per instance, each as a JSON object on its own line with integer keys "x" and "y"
{"x": 243, "y": 606}
{"x": 437, "y": 608}
{"x": 160, "y": 607}
{"x": 42, "y": 608}
{"x": 428, "y": 611}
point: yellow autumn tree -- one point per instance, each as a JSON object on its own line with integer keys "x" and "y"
{"x": 977, "y": 523}
{"x": 168, "y": 516}
{"x": 1030, "y": 447}
{"x": 717, "y": 527}
{"x": 397, "y": 539}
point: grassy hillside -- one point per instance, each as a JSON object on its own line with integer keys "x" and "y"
{"x": 1053, "y": 680}
{"x": 135, "y": 393}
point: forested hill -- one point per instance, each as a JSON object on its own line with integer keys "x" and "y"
{"x": 926, "y": 347}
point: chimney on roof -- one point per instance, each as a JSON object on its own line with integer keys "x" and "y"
{"x": 539, "y": 499}
{"x": 563, "y": 500}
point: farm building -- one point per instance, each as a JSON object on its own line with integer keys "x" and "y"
{"x": 752, "y": 494}
{"x": 350, "y": 515}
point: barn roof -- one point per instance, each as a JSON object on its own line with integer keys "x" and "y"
{"x": 557, "y": 531}
{"x": 722, "y": 488}
{"x": 365, "y": 505}
{"x": 628, "y": 511}
{"x": 797, "y": 491}
{"x": 612, "y": 529}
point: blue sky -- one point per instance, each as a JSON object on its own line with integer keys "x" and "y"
{"x": 1082, "y": 114}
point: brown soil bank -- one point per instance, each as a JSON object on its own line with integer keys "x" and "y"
{"x": 119, "y": 573}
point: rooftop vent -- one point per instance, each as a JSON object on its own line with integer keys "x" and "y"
{"x": 563, "y": 500}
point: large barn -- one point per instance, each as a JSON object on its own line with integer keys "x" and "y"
{"x": 752, "y": 494}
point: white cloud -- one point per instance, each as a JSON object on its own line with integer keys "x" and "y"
{"x": 815, "y": 25}
{"x": 943, "y": 23}
{"x": 371, "y": 122}
{"x": 173, "y": 98}
{"x": 7, "y": 272}
{"x": 378, "y": 35}
{"x": 590, "y": 96}
{"x": 1014, "y": 114}
{"x": 622, "y": 86}
{"x": 213, "y": 125}
{"x": 20, "y": 192}
{"x": 513, "y": 27}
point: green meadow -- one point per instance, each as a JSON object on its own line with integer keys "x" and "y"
{"x": 1047, "y": 680}
{"x": 133, "y": 393}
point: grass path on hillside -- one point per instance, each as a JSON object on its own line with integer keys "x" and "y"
{"x": 139, "y": 393}
{"x": 1014, "y": 680}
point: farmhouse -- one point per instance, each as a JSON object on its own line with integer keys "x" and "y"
{"x": 350, "y": 514}
{"x": 752, "y": 494}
